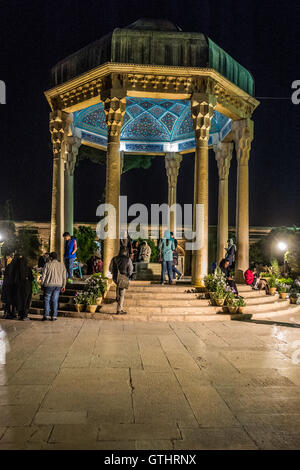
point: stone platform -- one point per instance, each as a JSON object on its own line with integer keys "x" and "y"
{"x": 150, "y": 301}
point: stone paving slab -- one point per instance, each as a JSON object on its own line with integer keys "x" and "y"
{"x": 81, "y": 384}
{"x": 215, "y": 439}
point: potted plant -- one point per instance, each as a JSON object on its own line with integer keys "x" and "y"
{"x": 272, "y": 285}
{"x": 97, "y": 284}
{"x": 219, "y": 295}
{"x": 293, "y": 296}
{"x": 241, "y": 304}
{"x": 91, "y": 302}
{"x": 210, "y": 284}
{"x": 231, "y": 303}
{"x": 283, "y": 290}
{"x": 79, "y": 300}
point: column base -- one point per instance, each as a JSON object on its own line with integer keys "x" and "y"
{"x": 239, "y": 276}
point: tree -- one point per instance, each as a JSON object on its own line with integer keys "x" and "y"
{"x": 86, "y": 243}
{"x": 8, "y": 235}
{"x": 28, "y": 242}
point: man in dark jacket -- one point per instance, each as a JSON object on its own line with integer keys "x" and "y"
{"x": 121, "y": 268}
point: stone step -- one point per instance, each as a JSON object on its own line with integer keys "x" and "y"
{"x": 147, "y": 317}
{"x": 192, "y": 308}
{"x": 155, "y": 301}
{"x": 291, "y": 309}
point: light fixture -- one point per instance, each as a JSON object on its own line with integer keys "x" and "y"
{"x": 282, "y": 246}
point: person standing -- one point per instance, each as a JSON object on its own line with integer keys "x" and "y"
{"x": 53, "y": 281}
{"x": 8, "y": 290}
{"x": 175, "y": 259}
{"x": 166, "y": 247}
{"x": 22, "y": 291}
{"x": 70, "y": 254}
{"x": 121, "y": 268}
{"x": 231, "y": 254}
{"x": 43, "y": 259}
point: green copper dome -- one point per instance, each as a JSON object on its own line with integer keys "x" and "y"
{"x": 154, "y": 42}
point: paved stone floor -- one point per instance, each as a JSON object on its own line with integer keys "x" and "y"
{"x": 86, "y": 384}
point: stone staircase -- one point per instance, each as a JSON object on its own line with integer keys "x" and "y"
{"x": 150, "y": 301}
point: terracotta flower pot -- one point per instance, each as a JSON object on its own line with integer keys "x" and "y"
{"x": 241, "y": 309}
{"x": 79, "y": 307}
{"x": 293, "y": 300}
{"x": 282, "y": 295}
{"x": 99, "y": 300}
{"x": 232, "y": 309}
{"x": 273, "y": 290}
{"x": 219, "y": 302}
{"x": 91, "y": 308}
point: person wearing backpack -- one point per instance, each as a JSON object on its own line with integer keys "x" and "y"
{"x": 121, "y": 268}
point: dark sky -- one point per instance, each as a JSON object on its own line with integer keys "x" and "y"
{"x": 264, "y": 36}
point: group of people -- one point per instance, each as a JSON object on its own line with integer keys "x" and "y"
{"x": 251, "y": 275}
{"x": 18, "y": 279}
{"x": 122, "y": 265}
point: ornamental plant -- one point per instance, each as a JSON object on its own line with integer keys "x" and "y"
{"x": 220, "y": 292}
{"x": 294, "y": 293}
{"x": 272, "y": 282}
{"x": 90, "y": 298}
{"x": 282, "y": 288}
{"x": 97, "y": 283}
{"x": 80, "y": 297}
{"x": 240, "y": 301}
{"x": 230, "y": 299}
{"x": 210, "y": 282}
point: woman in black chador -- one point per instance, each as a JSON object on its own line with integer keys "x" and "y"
{"x": 23, "y": 278}
{"x": 8, "y": 290}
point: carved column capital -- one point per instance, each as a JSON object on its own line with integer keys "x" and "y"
{"x": 59, "y": 127}
{"x": 202, "y": 108}
{"x": 114, "y": 109}
{"x": 172, "y": 164}
{"x": 71, "y": 148}
{"x": 223, "y": 153}
{"x": 243, "y": 135}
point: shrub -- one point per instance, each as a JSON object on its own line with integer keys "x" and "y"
{"x": 272, "y": 282}
{"x": 85, "y": 237}
{"x": 240, "y": 302}
{"x": 210, "y": 282}
{"x": 28, "y": 243}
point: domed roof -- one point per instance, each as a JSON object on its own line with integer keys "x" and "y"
{"x": 153, "y": 42}
{"x": 153, "y": 25}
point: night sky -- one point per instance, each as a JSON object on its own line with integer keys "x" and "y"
{"x": 264, "y": 36}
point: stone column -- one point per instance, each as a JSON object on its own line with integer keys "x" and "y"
{"x": 223, "y": 153}
{"x": 72, "y": 144}
{"x": 114, "y": 108}
{"x": 59, "y": 122}
{"x": 243, "y": 136}
{"x": 202, "y": 107}
{"x": 172, "y": 164}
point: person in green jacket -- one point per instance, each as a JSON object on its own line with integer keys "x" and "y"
{"x": 166, "y": 246}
